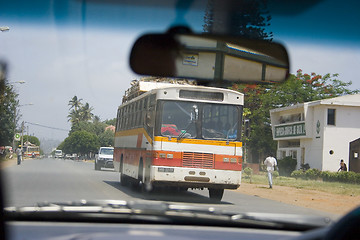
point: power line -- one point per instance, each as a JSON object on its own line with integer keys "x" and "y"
{"x": 54, "y": 128}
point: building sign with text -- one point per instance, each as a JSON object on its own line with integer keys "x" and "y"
{"x": 291, "y": 130}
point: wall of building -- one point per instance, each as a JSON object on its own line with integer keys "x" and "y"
{"x": 313, "y": 145}
{"x": 324, "y": 145}
{"x": 337, "y": 138}
{"x": 313, "y": 154}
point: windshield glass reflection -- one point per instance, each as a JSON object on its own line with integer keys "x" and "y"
{"x": 218, "y": 121}
{"x": 178, "y": 119}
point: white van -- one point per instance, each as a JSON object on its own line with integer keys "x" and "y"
{"x": 104, "y": 158}
{"x": 58, "y": 154}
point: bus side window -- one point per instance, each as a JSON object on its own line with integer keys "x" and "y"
{"x": 139, "y": 114}
{"x": 144, "y": 110}
{"x": 117, "y": 126}
{"x": 150, "y": 114}
{"x": 122, "y": 119}
{"x": 126, "y": 116}
{"x": 129, "y": 117}
{"x": 135, "y": 113}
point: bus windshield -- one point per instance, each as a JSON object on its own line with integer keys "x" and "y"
{"x": 200, "y": 120}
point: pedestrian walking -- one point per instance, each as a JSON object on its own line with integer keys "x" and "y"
{"x": 18, "y": 153}
{"x": 270, "y": 163}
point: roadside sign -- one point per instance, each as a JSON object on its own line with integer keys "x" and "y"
{"x": 17, "y": 137}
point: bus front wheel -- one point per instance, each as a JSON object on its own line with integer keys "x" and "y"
{"x": 216, "y": 194}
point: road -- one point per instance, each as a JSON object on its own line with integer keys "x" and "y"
{"x": 55, "y": 180}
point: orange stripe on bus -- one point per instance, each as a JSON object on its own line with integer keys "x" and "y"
{"x": 133, "y": 132}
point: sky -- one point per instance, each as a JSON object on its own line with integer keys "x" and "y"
{"x": 70, "y": 56}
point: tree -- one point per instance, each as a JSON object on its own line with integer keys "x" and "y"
{"x": 298, "y": 88}
{"x": 74, "y": 117}
{"x": 81, "y": 142}
{"x": 86, "y": 112}
{"x": 247, "y": 18}
{"x": 86, "y": 127}
{"x": 110, "y": 121}
{"x": 75, "y": 103}
{"x": 9, "y": 104}
{"x": 79, "y": 112}
{"x": 107, "y": 138}
{"x": 96, "y": 119}
{"x": 97, "y": 127}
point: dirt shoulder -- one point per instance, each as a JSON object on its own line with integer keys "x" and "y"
{"x": 8, "y": 163}
{"x": 327, "y": 202}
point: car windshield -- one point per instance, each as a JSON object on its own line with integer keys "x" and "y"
{"x": 68, "y": 89}
{"x": 107, "y": 151}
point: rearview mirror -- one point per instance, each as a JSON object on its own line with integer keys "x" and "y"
{"x": 209, "y": 58}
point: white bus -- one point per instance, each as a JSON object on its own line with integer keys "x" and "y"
{"x": 181, "y": 136}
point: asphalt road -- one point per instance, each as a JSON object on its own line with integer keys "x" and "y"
{"x": 57, "y": 180}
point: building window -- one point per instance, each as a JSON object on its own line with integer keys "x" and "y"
{"x": 331, "y": 117}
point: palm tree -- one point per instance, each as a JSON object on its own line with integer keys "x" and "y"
{"x": 74, "y": 117}
{"x": 96, "y": 119}
{"x": 75, "y": 103}
{"x": 86, "y": 112}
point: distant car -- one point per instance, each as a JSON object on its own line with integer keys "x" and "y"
{"x": 104, "y": 158}
{"x": 74, "y": 156}
{"x": 71, "y": 156}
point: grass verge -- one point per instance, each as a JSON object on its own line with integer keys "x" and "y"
{"x": 329, "y": 187}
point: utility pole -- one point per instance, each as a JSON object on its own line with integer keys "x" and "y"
{"x": 22, "y": 139}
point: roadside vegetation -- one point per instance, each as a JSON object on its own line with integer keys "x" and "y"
{"x": 88, "y": 132}
{"x": 311, "y": 179}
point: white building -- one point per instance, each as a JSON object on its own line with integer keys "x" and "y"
{"x": 319, "y": 133}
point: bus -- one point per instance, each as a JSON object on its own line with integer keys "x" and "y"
{"x": 181, "y": 136}
{"x": 30, "y": 150}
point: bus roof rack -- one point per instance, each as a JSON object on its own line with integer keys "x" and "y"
{"x": 146, "y": 84}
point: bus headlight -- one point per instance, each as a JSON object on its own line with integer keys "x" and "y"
{"x": 226, "y": 159}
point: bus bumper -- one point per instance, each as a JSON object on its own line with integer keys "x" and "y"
{"x": 194, "y": 177}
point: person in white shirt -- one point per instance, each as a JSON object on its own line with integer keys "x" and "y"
{"x": 270, "y": 163}
{"x": 19, "y": 155}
